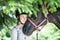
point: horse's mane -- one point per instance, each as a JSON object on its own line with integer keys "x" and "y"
{"x": 55, "y": 17}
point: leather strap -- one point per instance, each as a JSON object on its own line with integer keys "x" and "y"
{"x": 36, "y": 26}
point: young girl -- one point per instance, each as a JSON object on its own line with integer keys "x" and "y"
{"x": 17, "y": 33}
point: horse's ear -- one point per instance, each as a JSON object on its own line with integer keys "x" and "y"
{"x": 28, "y": 28}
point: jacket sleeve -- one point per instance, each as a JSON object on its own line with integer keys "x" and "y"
{"x": 14, "y": 34}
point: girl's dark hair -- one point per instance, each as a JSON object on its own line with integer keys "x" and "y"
{"x": 18, "y": 14}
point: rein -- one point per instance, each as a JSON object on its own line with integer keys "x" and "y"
{"x": 36, "y": 26}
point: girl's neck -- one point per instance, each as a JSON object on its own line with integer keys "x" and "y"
{"x": 20, "y": 24}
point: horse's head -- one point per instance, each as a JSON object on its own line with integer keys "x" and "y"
{"x": 51, "y": 17}
{"x": 29, "y": 27}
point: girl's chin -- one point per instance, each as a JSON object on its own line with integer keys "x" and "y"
{"x": 23, "y": 22}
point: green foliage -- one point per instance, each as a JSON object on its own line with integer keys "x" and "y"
{"x": 5, "y": 33}
{"x": 49, "y": 5}
{"x": 29, "y": 6}
{"x": 7, "y": 14}
{"x": 8, "y": 34}
{"x": 49, "y": 32}
{"x": 21, "y": 5}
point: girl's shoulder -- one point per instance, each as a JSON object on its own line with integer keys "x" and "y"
{"x": 15, "y": 28}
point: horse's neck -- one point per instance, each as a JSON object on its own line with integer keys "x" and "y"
{"x": 40, "y": 17}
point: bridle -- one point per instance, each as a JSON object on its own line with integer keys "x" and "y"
{"x": 37, "y": 26}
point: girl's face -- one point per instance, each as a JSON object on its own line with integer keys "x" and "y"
{"x": 23, "y": 18}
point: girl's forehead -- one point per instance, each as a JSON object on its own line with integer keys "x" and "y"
{"x": 23, "y": 15}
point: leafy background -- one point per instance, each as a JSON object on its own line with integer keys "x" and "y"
{"x": 8, "y": 19}
{"x": 49, "y": 32}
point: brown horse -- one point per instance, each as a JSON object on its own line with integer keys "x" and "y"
{"x": 28, "y": 28}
